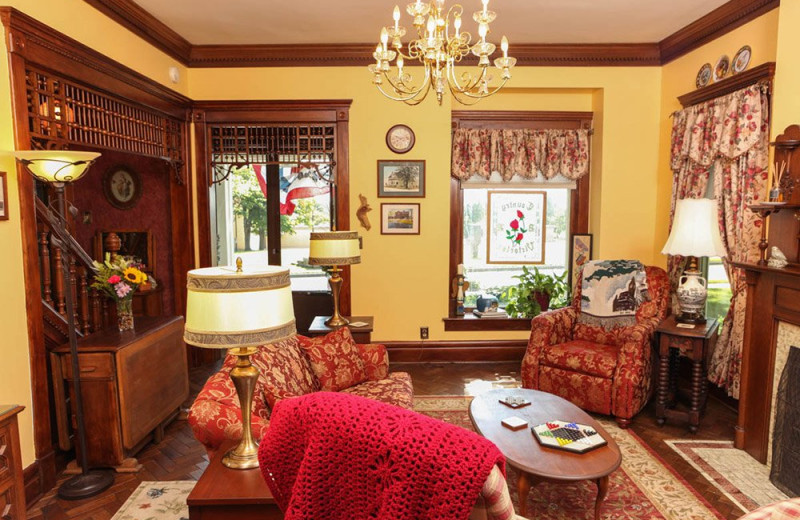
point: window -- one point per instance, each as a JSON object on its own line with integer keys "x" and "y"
{"x": 565, "y": 212}
{"x": 719, "y": 289}
{"x": 489, "y": 277}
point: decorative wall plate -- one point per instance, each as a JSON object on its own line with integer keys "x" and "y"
{"x": 400, "y": 138}
{"x": 722, "y": 67}
{"x": 741, "y": 59}
{"x": 122, "y": 187}
{"x": 703, "y": 76}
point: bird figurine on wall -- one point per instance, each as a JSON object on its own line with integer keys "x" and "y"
{"x": 776, "y": 258}
{"x": 361, "y": 212}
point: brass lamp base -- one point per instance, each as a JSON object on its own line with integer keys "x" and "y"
{"x": 244, "y": 376}
{"x": 336, "y": 320}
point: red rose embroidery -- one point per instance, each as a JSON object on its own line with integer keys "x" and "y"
{"x": 517, "y": 228}
{"x": 514, "y": 224}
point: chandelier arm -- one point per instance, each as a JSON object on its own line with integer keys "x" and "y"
{"x": 409, "y": 91}
{"x": 410, "y": 100}
{"x": 482, "y": 96}
{"x": 455, "y": 84}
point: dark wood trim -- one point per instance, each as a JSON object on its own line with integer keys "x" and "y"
{"x": 146, "y": 26}
{"x": 721, "y": 20}
{"x": 469, "y": 322}
{"x": 273, "y": 111}
{"x": 764, "y": 72}
{"x": 579, "y": 202}
{"x": 36, "y": 479}
{"x": 724, "y": 19}
{"x": 455, "y": 351}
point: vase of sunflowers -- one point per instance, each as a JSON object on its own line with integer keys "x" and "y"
{"x": 119, "y": 279}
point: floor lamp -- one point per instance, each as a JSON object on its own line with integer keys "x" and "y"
{"x": 56, "y": 168}
{"x": 239, "y": 309}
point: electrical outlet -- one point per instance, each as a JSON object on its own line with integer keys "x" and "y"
{"x": 423, "y": 333}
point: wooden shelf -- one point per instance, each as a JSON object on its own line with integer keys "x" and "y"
{"x": 470, "y": 322}
{"x": 789, "y": 270}
{"x": 730, "y": 84}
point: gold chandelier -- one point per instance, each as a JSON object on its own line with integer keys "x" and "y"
{"x": 439, "y": 48}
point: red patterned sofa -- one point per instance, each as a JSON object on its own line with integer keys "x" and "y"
{"x": 293, "y": 367}
{"x": 607, "y": 372}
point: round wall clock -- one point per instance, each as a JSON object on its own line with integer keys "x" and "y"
{"x": 400, "y": 139}
{"x": 122, "y": 187}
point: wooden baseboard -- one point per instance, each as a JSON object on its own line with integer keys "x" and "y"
{"x": 455, "y": 351}
{"x": 39, "y": 477}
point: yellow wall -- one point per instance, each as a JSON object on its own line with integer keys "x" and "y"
{"x": 786, "y": 101}
{"x": 678, "y": 78}
{"x": 403, "y": 280}
{"x": 78, "y": 20}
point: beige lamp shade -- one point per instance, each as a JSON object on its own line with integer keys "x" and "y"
{"x": 228, "y": 309}
{"x": 334, "y": 248}
{"x": 56, "y": 165}
{"x": 695, "y": 229}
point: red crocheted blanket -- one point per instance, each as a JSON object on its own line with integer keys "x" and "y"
{"x": 340, "y": 456}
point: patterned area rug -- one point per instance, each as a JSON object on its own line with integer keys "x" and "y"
{"x": 643, "y": 488}
{"x": 157, "y": 500}
{"x": 739, "y": 476}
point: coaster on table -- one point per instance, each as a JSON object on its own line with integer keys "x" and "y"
{"x": 514, "y": 423}
{"x": 515, "y": 401}
{"x": 358, "y": 324}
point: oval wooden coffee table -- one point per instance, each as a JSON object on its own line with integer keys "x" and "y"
{"x": 534, "y": 462}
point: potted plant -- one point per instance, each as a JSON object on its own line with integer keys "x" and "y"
{"x": 536, "y": 292}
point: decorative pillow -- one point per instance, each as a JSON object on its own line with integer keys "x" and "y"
{"x": 284, "y": 371}
{"x": 335, "y": 360}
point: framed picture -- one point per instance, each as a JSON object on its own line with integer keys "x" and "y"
{"x": 401, "y": 178}
{"x": 580, "y": 252}
{"x": 516, "y": 227}
{"x": 400, "y": 219}
{"x": 136, "y": 243}
{"x": 122, "y": 187}
{"x": 3, "y": 196}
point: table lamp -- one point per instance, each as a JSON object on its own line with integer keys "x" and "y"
{"x": 332, "y": 249}
{"x": 695, "y": 232}
{"x": 239, "y": 309}
{"x": 56, "y": 168}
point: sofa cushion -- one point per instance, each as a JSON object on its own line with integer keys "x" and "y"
{"x": 335, "y": 360}
{"x": 284, "y": 371}
{"x": 395, "y": 389}
{"x": 581, "y": 356}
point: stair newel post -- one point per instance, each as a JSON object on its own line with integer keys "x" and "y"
{"x": 58, "y": 280}
{"x": 73, "y": 282}
{"x": 84, "y": 299}
{"x": 97, "y": 318}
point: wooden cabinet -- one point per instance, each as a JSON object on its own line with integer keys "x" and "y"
{"x": 12, "y": 487}
{"x": 133, "y": 383}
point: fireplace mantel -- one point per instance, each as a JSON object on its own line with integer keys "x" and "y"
{"x": 773, "y": 295}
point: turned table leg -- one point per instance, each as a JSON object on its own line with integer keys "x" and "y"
{"x": 663, "y": 380}
{"x": 602, "y": 491}
{"x": 697, "y": 394}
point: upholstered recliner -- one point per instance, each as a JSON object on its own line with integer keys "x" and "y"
{"x": 603, "y": 371}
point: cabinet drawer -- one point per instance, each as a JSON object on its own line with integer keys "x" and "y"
{"x": 6, "y": 460}
{"x": 93, "y": 366}
{"x": 8, "y": 510}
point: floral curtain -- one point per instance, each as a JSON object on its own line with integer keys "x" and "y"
{"x": 525, "y": 152}
{"x": 728, "y": 136}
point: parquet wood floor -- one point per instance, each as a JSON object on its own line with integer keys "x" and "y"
{"x": 180, "y": 457}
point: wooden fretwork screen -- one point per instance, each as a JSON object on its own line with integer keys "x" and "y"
{"x": 61, "y": 112}
{"x": 258, "y": 143}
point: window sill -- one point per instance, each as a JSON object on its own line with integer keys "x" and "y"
{"x": 470, "y": 322}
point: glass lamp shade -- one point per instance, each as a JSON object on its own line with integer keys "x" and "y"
{"x": 695, "y": 229}
{"x": 54, "y": 166}
{"x": 229, "y": 309}
{"x": 334, "y": 248}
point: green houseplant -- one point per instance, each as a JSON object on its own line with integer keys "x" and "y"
{"x": 535, "y": 293}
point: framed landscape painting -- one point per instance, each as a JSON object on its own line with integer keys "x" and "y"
{"x": 400, "y": 219}
{"x": 401, "y": 178}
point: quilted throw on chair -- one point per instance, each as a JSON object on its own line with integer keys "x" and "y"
{"x": 611, "y": 291}
{"x": 339, "y": 456}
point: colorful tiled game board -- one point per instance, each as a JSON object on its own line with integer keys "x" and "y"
{"x": 577, "y": 438}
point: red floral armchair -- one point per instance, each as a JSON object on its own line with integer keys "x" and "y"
{"x": 603, "y": 371}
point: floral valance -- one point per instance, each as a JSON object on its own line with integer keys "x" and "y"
{"x": 525, "y": 152}
{"x": 726, "y": 127}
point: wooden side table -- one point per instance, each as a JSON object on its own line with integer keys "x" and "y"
{"x": 12, "y": 483}
{"x": 694, "y": 342}
{"x": 360, "y": 334}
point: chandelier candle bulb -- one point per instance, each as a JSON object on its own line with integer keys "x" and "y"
{"x": 396, "y": 17}
{"x": 504, "y": 46}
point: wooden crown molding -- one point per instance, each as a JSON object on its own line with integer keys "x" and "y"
{"x": 38, "y": 43}
{"x": 143, "y": 24}
{"x": 764, "y": 72}
{"x": 713, "y": 25}
{"x": 721, "y": 20}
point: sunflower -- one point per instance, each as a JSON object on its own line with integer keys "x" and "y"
{"x": 133, "y": 275}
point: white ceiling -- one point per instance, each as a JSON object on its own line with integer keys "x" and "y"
{"x": 359, "y": 21}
